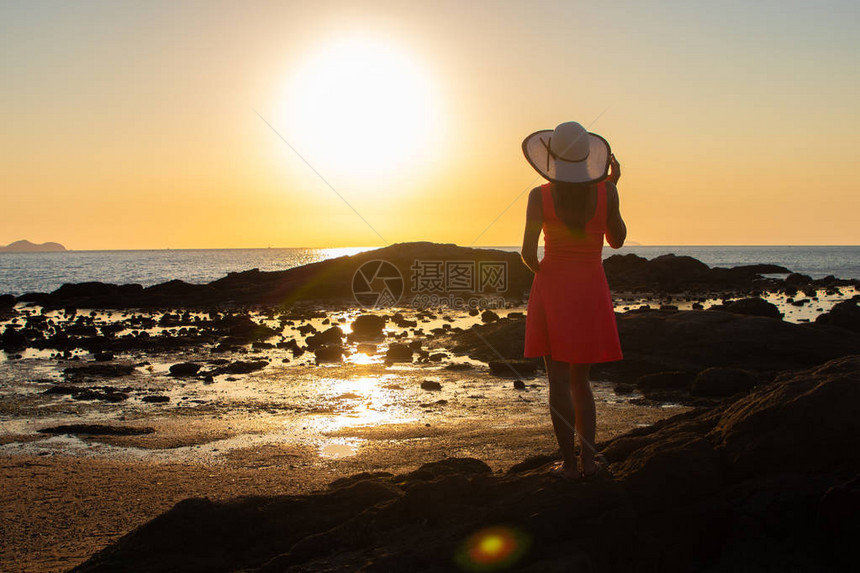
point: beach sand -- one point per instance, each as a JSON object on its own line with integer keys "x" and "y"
{"x": 59, "y": 509}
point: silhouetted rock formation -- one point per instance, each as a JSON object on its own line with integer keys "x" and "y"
{"x": 845, "y": 314}
{"x": 768, "y": 482}
{"x": 682, "y": 342}
{"x": 28, "y": 247}
{"x": 331, "y": 281}
{"x": 671, "y": 273}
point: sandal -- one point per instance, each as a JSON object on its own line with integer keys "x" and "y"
{"x": 601, "y": 469}
{"x": 558, "y": 470}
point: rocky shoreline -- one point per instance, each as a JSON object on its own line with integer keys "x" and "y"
{"x": 768, "y": 481}
{"x": 699, "y": 491}
{"x": 330, "y": 281}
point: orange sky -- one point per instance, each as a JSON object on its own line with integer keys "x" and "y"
{"x": 133, "y": 125}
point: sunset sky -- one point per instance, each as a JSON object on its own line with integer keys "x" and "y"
{"x": 134, "y": 125}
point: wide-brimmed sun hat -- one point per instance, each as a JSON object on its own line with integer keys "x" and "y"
{"x": 568, "y": 154}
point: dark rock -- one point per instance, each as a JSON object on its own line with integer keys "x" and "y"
{"x": 670, "y": 380}
{"x": 62, "y": 390}
{"x": 458, "y": 366}
{"x": 184, "y": 369}
{"x": 241, "y": 367}
{"x": 109, "y": 395}
{"x": 97, "y": 430}
{"x": 753, "y": 307}
{"x": 329, "y": 353}
{"x": 489, "y": 316}
{"x": 797, "y": 280}
{"x": 399, "y": 353}
{"x": 519, "y": 385}
{"x": 175, "y": 289}
{"x": 513, "y": 367}
{"x": 156, "y": 399}
{"x": 7, "y": 301}
{"x": 12, "y": 339}
{"x": 813, "y": 411}
{"x": 367, "y": 327}
{"x": 88, "y": 289}
{"x": 242, "y": 328}
{"x": 533, "y": 463}
{"x": 623, "y": 389}
{"x": 482, "y": 341}
{"x": 102, "y": 370}
{"x": 103, "y": 356}
{"x": 292, "y": 346}
{"x": 722, "y": 382}
{"x": 403, "y": 322}
{"x": 430, "y": 385}
{"x": 670, "y": 273}
{"x": 330, "y": 336}
{"x": 845, "y": 314}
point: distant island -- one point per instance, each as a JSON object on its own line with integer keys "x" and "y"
{"x": 28, "y": 247}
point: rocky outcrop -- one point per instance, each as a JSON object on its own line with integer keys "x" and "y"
{"x": 97, "y": 430}
{"x": 754, "y": 307}
{"x": 325, "y": 281}
{"x": 682, "y": 342}
{"x": 672, "y": 273}
{"x": 768, "y": 482}
{"x": 845, "y": 314}
{"x": 334, "y": 280}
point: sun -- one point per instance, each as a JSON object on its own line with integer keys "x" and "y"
{"x": 364, "y": 109}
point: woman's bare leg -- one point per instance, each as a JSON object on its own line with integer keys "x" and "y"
{"x": 561, "y": 411}
{"x": 586, "y": 415}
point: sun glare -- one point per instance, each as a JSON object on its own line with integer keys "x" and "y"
{"x": 363, "y": 109}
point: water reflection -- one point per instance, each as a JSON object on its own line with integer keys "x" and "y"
{"x": 338, "y": 448}
{"x": 362, "y": 401}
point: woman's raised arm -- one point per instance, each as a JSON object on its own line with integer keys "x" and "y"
{"x": 616, "y": 229}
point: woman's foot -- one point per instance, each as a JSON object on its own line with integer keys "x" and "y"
{"x": 560, "y": 470}
{"x": 592, "y": 468}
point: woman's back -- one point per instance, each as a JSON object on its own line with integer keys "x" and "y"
{"x": 562, "y": 240}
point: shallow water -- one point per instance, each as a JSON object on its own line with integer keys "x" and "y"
{"x": 329, "y": 408}
{"x": 295, "y": 402}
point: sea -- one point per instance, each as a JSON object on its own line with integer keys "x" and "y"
{"x": 44, "y": 272}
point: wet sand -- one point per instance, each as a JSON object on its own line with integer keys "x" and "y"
{"x": 58, "y": 509}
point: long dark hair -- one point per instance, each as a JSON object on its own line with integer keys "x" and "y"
{"x": 572, "y": 205}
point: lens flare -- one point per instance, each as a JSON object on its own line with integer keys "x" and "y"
{"x": 492, "y": 549}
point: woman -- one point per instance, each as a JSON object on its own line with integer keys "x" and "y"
{"x": 571, "y": 322}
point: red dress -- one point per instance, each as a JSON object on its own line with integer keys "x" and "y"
{"x": 570, "y": 314}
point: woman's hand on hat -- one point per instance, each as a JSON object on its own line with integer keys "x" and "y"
{"x": 614, "y": 169}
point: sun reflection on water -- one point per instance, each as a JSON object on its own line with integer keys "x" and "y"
{"x": 363, "y": 401}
